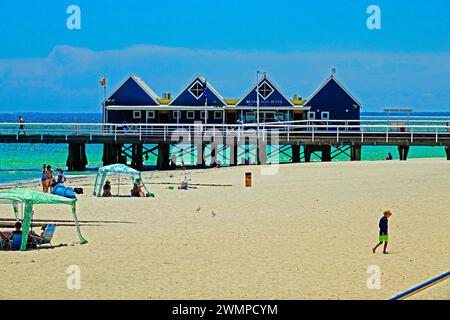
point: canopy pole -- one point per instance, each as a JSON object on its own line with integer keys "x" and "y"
{"x": 118, "y": 186}
{"x": 26, "y": 226}
{"x": 143, "y": 184}
{"x": 75, "y": 218}
{"x": 95, "y": 185}
{"x": 102, "y": 182}
{"x": 16, "y": 210}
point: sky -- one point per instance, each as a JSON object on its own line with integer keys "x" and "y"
{"x": 45, "y": 66}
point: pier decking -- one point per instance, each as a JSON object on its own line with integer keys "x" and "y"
{"x": 314, "y": 136}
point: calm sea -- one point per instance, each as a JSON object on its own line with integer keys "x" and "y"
{"x": 22, "y": 162}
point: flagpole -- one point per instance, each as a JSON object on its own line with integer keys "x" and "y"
{"x": 104, "y": 102}
{"x": 206, "y": 101}
{"x": 257, "y": 118}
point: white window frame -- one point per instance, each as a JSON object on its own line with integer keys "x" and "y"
{"x": 203, "y": 114}
{"x": 313, "y": 114}
{"x": 217, "y": 114}
{"x": 151, "y": 114}
{"x": 280, "y": 115}
{"x": 250, "y": 114}
{"x": 190, "y": 114}
{"x": 176, "y": 114}
{"x": 137, "y": 114}
{"x": 323, "y": 113}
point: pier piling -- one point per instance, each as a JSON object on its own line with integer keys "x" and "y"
{"x": 447, "y": 151}
{"x": 112, "y": 153}
{"x": 403, "y": 152}
{"x": 163, "y": 156}
{"x": 201, "y": 155}
{"x": 295, "y": 153}
{"x": 76, "y": 159}
{"x": 234, "y": 153}
{"x": 261, "y": 154}
{"x": 355, "y": 153}
{"x": 137, "y": 159}
{"x": 214, "y": 147}
{"x": 326, "y": 153}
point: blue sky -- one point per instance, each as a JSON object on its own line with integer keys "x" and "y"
{"x": 46, "y": 67}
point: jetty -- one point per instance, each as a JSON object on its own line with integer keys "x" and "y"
{"x": 132, "y": 143}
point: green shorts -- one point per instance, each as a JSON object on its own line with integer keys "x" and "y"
{"x": 383, "y": 238}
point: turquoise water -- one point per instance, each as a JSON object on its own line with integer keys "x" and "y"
{"x": 22, "y": 162}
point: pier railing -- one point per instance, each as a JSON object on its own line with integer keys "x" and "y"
{"x": 311, "y": 129}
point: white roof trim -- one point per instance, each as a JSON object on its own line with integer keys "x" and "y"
{"x": 228, "y": 107}
{"x": 202, "y": 80}
{"x": 141, "y": 84}
{"x": 259, "y": 84}
{"x": 324, "y": 84}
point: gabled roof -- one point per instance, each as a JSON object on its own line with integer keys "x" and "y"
{"x": 278, "y": 98}
{"x": 133, "y": 91}
{"x": 331, "y": 80}
{"x": 187, "y": 98}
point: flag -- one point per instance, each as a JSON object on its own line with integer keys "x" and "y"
{"x": 205, "y": 92}
{"x": 103, "y": 82}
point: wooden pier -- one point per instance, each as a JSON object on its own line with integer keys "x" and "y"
{"x": 129, "y": 143}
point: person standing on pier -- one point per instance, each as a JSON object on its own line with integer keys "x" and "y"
{"x": 21, "y": 126}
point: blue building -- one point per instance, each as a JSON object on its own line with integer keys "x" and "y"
{"x": 332, "y": 101}
{"x": 135, "y": 102}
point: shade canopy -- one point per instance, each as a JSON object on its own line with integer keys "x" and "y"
{"x": 29, "y": 198}
{"x": 119, "y": 169}
{"x": 32, "y": 197}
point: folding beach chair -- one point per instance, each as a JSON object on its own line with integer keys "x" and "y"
{"x": 48, "y": 235}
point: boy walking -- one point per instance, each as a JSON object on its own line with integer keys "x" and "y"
{"x": 383, "y": 237}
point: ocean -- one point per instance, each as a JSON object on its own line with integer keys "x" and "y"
{"x": 21, "y": 163}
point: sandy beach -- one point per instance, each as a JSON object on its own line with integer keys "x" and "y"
{"x": 305, "y": 232}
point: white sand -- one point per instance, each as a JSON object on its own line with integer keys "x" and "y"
{"x": 303, "y": 233}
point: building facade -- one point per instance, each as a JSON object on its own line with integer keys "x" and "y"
{"x": 135, "y": 102}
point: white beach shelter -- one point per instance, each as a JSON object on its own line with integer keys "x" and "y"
{"x": 118, "y": 169}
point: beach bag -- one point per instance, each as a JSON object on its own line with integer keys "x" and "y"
{"x": 78, "y": 190}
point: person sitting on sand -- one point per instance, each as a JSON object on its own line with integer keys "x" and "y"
{"x": 137, "y": 189}
{"x": 383, "y": 235}
{"x": 35, "y": 238}
{"x": 9, "y": 235}
{"x": 107, "y": 189}
{"x": 389, "y": 156}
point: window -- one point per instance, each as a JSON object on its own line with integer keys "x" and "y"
{"x": 325, "y": 115}
{"x": 151, "y": 114}
{"x": 311, "y": 115}
{"x": 190, "y": 115}
{"x": 250, "y": 116}
{"x": 176, "y": 115}
{"x": 197, "y": 89}
{"x": 265, "y": 90}
{"x": 217, "y": 115}
{"x": 279, "y": 116}
{"x": 203, "y": 114}
{"x": 136, "y": 114}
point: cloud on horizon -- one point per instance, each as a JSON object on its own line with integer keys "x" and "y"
{"x": 67, "y": 79}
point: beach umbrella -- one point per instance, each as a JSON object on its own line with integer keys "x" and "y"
{"x": 118, "y": 169}
{"x": 29, "y": 198}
